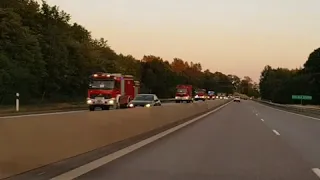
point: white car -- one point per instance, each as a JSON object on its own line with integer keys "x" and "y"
{"x": 236, "y": 99}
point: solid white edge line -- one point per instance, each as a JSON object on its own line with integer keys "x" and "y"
{"x": 276, "y": 132}
{"x": 106, "y": 159}
{"x": 316, "y": 171}
{"x": 318, "y": 119}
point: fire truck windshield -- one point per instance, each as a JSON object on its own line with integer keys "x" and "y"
{"x": 102, "y": 84}
{"x": 144, "y": 97}
{"x": 200, "y": 91}
{"x": 181, "y": 90}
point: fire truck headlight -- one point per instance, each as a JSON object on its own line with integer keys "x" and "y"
{"x": 177, "y": 97}
{"x": 89, "y": 101}
{"x": 130, "y": 105}
{"x": 111, "y": 102}
{"x": 148, "y": 105}
{"x": 196, "y": 96}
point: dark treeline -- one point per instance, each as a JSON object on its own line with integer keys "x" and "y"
{"x": 46, "y": 59}
{"x": 278, "y": 85}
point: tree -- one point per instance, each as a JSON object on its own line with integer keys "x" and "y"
{"x": 312, "y": 65}
{"x": 235, "y": 80}
{"x": 279, "y": 84}
{"x": 21, "y": 62}
{"x": 47, "y": 59}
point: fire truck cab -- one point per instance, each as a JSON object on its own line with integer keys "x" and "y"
{"x": 111, "y": 90}
{"x": 201, "y": 94}
{"x": 184, "y": 93}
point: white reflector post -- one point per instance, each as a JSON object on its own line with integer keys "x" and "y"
{"x": 17, "y": 102}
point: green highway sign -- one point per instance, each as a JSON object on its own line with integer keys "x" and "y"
{"x": 301, "y": 97}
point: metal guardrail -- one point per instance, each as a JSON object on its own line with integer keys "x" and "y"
{"x": 53, "y": 108}
{"x": 167, "y": 100}
{"x": 306, "y": 110}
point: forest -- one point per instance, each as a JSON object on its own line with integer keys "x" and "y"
{"x": 279, "y": 84}
{"x": 47, "y": 59}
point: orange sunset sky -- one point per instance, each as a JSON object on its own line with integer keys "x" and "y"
{"x": 230, "y": 36}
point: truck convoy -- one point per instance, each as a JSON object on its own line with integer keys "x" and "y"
{"x": 111, "y": 90}
{"x": 184, "y": 93}
{"x": 201, "y": 94}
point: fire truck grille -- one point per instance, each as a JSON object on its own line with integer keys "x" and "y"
{"x": 181, "y": 95}
{"x": 106, "y": 96}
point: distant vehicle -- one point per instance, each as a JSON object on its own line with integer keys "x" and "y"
{"x": 184, "y": 93}
{"x": 145, "y": 100}
{"x": 236, "y": 99}
{"x": 111, "y": 90}
{"x": 201, "y": 94}
{"x": 211, "y": 95}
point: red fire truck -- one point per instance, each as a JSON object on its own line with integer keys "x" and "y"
{"x": 111, "y": 90}
{"x": 184, "y": 93}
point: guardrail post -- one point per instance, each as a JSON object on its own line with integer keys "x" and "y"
{"x": 17, "y": 101}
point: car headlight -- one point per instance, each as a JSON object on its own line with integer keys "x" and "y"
{"x": 89, "y": 101}
{"x": 196, "y": 96}
{"x": 130, "y": 105}
{"x": 148, "y": 105}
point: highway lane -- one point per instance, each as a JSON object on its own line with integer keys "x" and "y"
{"x": 300, "y": 132}
{"x": 232, "y": 143}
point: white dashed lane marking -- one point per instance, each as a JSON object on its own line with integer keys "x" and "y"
{"x": 316, "y": 171}
{"x": 276, "y": 132}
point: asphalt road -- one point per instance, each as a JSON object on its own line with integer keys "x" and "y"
{"x": 233, "y": 143}
{"x": 242, "y": 141}
{"x": 299, "y": 131}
